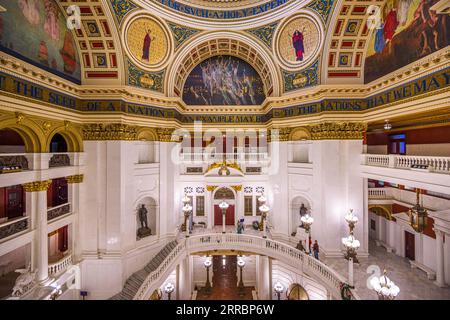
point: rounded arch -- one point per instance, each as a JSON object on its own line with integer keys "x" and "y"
{"x": 224, "y": 193}
{"x": 381, "y": 210}
{"x": 295, "y": 206}
{"x": 147, "y": 134}
{"x": 28, "y": 131}
{"x": 300, "y": 134}
{"x": 297, "y": 292}
{"x": 149, "y": 220}
{"x": 71, "y": 136}
{"x": 210, "y": 44}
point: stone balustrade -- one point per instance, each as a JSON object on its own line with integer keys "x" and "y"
{"x": 61, "y": 265}
{"x": 425, "y": 163}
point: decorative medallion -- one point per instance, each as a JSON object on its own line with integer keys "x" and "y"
{"x": 248, "y": 190}
{"x": 181, "y": 33}
{"x": 259, "y": 189}
{"x": 147, "y": 42}
{"x": 200, "y": 190}
{"x": 188, "y": 190}
{"x": 144, "y": 79}
{"x": 302, "y": 79}
{"x": 298, "y": 41}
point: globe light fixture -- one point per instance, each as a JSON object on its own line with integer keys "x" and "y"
{"x": 224, "y": 206}
{"x": 262, "y": 198}
{"x": 185, "y": 199}
{"x": 187, "y": 208}
{"x": 241, "y": 264}
{"x": 351, "y": 245}
{"x": 307, "y": 221}
{"x": 387, "y": 125}
{"x": 279, "y": 288}
{"x": 264, "y": 209}
{"x": 207, "y": 263}
{"x": 169, "y": 287}
{"x": 384, "y": 287}
{"x": 351, "y": 219}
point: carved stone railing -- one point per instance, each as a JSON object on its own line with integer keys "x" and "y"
{"x": 61, "y": 265}
{"x": 55, "y": 212}
{"x": 12, "y": 227}
{"x": 258, "y": 245}
{"x": 14, "y": 160}
{"x": 380, "y": 193}
{"x": 427, "y": 163}
{"x": 59, "y": 160}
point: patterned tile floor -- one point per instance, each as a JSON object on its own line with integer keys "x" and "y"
{"x": 413, "y": 283}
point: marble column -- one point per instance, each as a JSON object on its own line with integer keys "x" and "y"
{"x": 440, "y": 275}
{"x": 74, "y": 198}
{"x": 40, "y": 249}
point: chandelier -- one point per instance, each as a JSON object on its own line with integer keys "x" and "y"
{"x": 418, "y": 215}
{"x": 385, "y": 288}
{"x": 307, "y": 221}
{"x": 351, "y": 244}
{"x": 351, "y": 219}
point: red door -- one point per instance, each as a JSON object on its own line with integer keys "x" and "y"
{"x": 229, "y": 216}
{"x": 12, "y": 202}
{"x": 409, "y": 246}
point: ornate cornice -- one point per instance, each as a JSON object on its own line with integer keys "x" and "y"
{"x": 165, "y": 134}
{"x": 78, "y": 178}
{"x": 37, "y": 186}
{"x": 113, "y": 131}
{"x": 338, "y": 131}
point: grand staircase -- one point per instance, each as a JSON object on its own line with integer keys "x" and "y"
{"x": 135, "y": 281}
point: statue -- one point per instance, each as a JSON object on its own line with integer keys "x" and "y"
{"x": 240, "y": 226}
{"x": 25, "y": 282}
{"x": 144, "y": 230}
{"x": 303, "y": 211}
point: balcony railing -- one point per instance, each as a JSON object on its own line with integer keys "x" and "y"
{"x": 55, "y": 212}
{"x": 59, "y": 160}
{"x": 427, "y": 163}
{"x": 380, "y": 193}
{"x": 12, "y": 227}
{"x": 14, "y": 160}
{"x": 61, "y": 265}
{"x": 232, "y": 157}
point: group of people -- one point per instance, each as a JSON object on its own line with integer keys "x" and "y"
{"x": 225, "y": 83}
{"x": 314, "y": 247}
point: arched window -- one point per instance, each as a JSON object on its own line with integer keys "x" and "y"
{"x": 58, "y": 144}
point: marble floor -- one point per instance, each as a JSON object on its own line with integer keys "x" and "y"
{"x": 413, "y": 283}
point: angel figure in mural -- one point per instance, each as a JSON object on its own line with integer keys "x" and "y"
{"x": 146, "y": 46}
{"x": 297, "y": 43}
{"x": 51, "y": 24}
{"x": 30, "y": 9}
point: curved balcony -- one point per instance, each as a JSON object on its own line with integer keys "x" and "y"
{"x": 280, "y": 251}
{"x": 61, "y": 265}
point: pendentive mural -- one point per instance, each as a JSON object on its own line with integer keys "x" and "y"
{"x": 223, "y": 80}
{"x": 409, "y": 30}
{"x": 36, "y": 31}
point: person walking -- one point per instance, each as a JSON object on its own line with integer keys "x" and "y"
{"x": 316, "y": 249}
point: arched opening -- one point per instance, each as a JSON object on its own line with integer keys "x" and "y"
{"x": 299, "y": 206}
{"x": 11, "y": 144}
{"x": 146, "y": 218}
{"x": 297, "y": 292}
{"x": 227, "y": 195}
{"x": 58, "y": 144}
{"x": 147, "y": 149}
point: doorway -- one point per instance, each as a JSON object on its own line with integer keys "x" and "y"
{"x": 410, "y": 246}
{"x": 224, "y": 194}
{"x": 397, "y": 144}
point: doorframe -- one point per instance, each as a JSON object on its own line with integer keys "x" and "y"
{"x": 235, "y": 202}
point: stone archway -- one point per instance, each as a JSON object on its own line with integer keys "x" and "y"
{"x": 295, "y": 211}
{"x": 227, "y": 195}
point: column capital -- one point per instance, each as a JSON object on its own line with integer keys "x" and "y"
{"x": 338, "y": 131}
{"x": 37, "y": 186}
{"x": 78, "y": 178}
{"x": 438, "y": 232}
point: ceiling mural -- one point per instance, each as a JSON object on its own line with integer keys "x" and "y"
{"x": 223, "y": 80}
{"x": 265, "y": 33}
{"x": 181, "y": 33}
{"x": 322, "y": 7}
{"x": 144, "y": 79}
{"x": 121, "y": 8}
{"x": 35, "y": 31}
{"x": 301, "y": 79}
{"x": 298, "y": 41}
{"x": 408, "y": 31}
{"x": 147, "y": 41}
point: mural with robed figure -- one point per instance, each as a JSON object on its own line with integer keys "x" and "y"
{"x": 223, "y": 80}
{"x": 36, "y": 32}
{"x": 408, "y": 30}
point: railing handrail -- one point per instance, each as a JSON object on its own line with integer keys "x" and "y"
{"x": 309, "y": 265}
{"x": 4, "y": 224}
{"x": 61, "y": 264}
{"x": 404, "y": 156}
{"x": 59, "y": 206}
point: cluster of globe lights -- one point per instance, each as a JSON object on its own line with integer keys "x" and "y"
{"x": 223, "y": 205}
{"x": 351, "y": 243}
{"x": 384, "y": 287}
{"x": 351, "y": 219}
{"x": 307, "y": 221}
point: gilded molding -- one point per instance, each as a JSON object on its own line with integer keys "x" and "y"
{"x": 37, "y": 186}
{"x": 216, "y": 165}
{"x": 19, "y": 117}
{"x": 165, "y": 134}
{"x": 279, "y": 134}
{"x": 78, "y": 178}
{"x": 211, "y": 188}
{"x": 113, "y": 131}
{"x": 338, "y": 131}
{"x": 237, "y": 188}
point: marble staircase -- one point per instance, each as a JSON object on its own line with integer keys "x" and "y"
{"x": 135, "y": 281}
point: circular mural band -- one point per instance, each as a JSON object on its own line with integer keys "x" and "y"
{"x": 298, "y": 41}
{"x": 147, "y": 41}
{"x": 223, "y": 80}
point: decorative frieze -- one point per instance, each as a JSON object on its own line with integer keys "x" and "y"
{"x": 338, "y": 131}
{"x": 113, "y": 131}
{"x": 37, "y": 186}
{"x": 165, "y": 134}
{"x": 78, "y": 178}
{"x": 14, "y": 161}
{"x": 59, "y": 211}
{"x": 59, "y": 160}
{"x": 279, "y": 134}
{"x": 13, "y": 228}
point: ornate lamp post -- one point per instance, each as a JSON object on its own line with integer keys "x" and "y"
{"x": 264, "y": 209}
{"x": 418, "y": 215}
{"x": 224, "y": 206}
{"x": 351, "y": 245}
{"x": 385, "y": 288}
{"x": 307, "y": 221}
{"x": 186, "y": 211}
{"x": 207, "y": 265}
{"x": 279, "y": 288}
{"x": 169, "y": 289}
{"x": 241, "y": 264}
